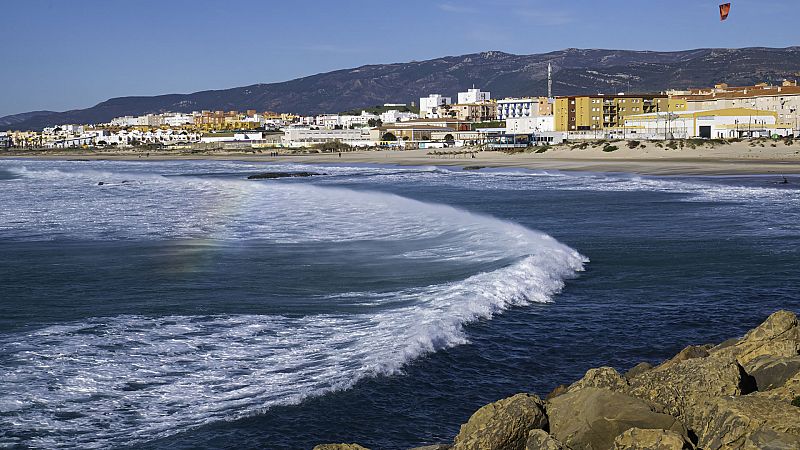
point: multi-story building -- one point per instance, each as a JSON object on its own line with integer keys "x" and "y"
{"x": 783, "y": 100}
{"x": 473, "y": 96}
{"x": 515, "y": 108}
{"x": 708, "y": 124}
{"x": 306, "y": 137}
{"x": 599, "y": 112}
{"x": 394, "y": 116}
{"x": 429, "y": 106}
{"x": 471, "y": 112}
{"x": 176, "y": 120}
{"x": 5, "y": 140}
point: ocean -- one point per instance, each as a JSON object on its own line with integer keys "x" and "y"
{"x": 179, "y": 305}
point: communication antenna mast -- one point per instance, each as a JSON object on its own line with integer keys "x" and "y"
{"x": 549, "y": 81}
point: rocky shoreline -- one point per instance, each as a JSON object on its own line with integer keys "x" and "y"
{"x": 741, "y": 394}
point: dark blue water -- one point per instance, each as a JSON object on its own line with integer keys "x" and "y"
{"x": 187, "y": 308}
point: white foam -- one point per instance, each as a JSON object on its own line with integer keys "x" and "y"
{"x": 122, "y": 380}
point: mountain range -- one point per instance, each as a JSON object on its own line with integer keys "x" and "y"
{"x": 575, "y": 71}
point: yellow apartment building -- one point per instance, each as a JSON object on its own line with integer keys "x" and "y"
{"x": 599, "y": 112}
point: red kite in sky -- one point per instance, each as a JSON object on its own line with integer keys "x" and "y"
{"x": 724, "y": 10}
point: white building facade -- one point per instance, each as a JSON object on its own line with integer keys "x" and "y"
{"x": 531, "y": 125}
{"x": 307, "y": 137}
{"x": 709, "y": 124}
{"x": 429, "y": 106}
{"x": 513, "y": 108}
{"x": 473, "y": 96}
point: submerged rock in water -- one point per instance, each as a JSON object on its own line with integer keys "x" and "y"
{"x": 339, "y": 447}
{"x": 273, "y": 175}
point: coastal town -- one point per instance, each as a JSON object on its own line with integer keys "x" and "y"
{"x": 474, "y": 119}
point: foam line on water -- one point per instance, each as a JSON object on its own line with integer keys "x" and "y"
{"x": 107, "y": 381}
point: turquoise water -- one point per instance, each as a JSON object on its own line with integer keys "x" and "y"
{"x": 180, "y": 305}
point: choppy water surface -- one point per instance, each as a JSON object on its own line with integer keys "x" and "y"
{"x": 179, "y": 305}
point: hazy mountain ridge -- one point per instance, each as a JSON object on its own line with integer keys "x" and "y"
{"x": 22, "y": 117}
{"x": 575, "y": 71}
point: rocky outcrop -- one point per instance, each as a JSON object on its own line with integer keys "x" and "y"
{"x": 749, "y": 422}
{"x": 690, "y": 352}
{"x": 637, "y": 370}
{"x": 540, "y": 440}
{"x": 684, "y": 388}
{"x": 591, "y": 418}
{"x": 743, "y": 394}
{"x": 604, "y": 377}
{"x": 646, "y": 439}
{"x": 502, "y": 425}
{"x": 778, "y": 336}
{"x": 770, "y": 372}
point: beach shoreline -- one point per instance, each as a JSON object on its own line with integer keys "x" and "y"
{"x": 739, "y": 158}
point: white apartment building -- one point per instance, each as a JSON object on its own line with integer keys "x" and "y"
{"x": 176, "y": 120}
{"x": 394, "y": 116}
{"x": 307, "y": 137}
{"x": 344, "y": 121}
{"x": 473, "y": 96}
{"x": 428, "y": 106}
{"x": 512, "y": 108}
{"x": 531, "y": 125}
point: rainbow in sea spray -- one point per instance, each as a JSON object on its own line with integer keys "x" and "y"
{"x": 181, "y": 371}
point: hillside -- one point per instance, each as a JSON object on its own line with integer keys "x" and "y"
{"x": 575, "y": 71}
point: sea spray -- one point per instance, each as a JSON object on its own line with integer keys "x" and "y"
{"x": 111, "y": 380}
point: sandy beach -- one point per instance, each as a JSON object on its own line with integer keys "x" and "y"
{"x": 652, "y": 158}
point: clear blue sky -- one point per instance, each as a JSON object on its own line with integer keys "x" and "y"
{"x": 64, "y": 54}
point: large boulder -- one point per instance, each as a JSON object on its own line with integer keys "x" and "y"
{"x": 339, "y": 447}
{"x": 540, "y": 440}
{"x": 502, "y": 425}
{"x": 603, "y": 377}
{"x": 778, "y": 336}
{"x": 788, "y": 392}
{"x": 637, "y": 370}
{"x": 750, "y": 422}
{"x": 644, "y": 439}
{"x": 591, "y": 418}
{"x": 684, "y": 388}
{"x": 770, "y": 372}
{"x": 690, "y": 352}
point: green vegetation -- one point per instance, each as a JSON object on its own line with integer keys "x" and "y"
{"x": 610, "y": 148}
{"x": 673, "y": 145}
{"x": 633, "y": 144}
{"x": 388, "y": 137}
{"x": 542, "y": 149}
{"x": 580, "y": 146}
{"x": 334, "y": 146}
{"x": 796, "y": 401}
